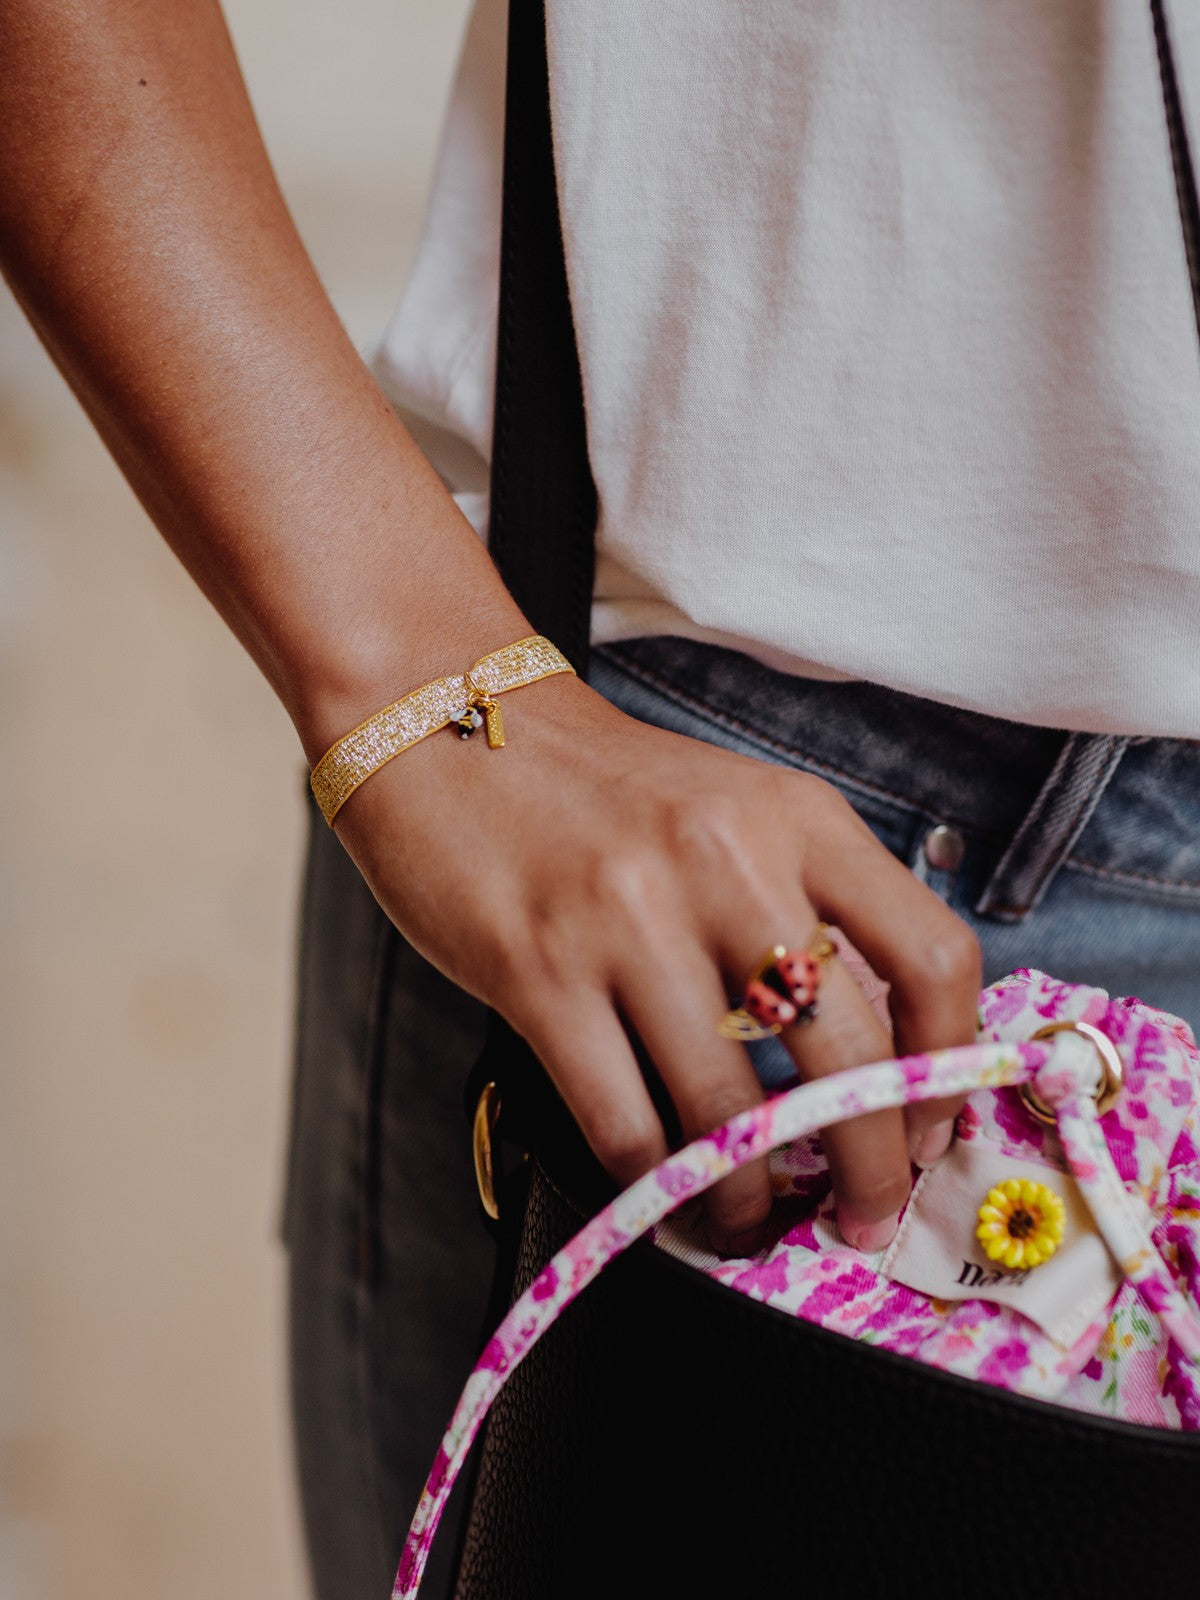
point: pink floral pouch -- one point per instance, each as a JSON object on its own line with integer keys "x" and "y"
{"x": 1105, "y": 1323}
{"x": 1115, "y": 1360}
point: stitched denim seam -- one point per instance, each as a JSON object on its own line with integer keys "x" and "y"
{"x": 794, "y": 755}
{"x": 1183, "y": 886}
{"x": 1039, "y": 867}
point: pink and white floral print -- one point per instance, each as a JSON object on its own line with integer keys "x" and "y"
{"x": 1138, "y": 1169}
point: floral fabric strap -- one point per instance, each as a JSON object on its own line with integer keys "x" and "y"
{"x": 1064, "y": 1071}
{"x": 467, "y": 699}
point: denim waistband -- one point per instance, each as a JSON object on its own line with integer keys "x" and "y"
{"x": 1034, "y": 792}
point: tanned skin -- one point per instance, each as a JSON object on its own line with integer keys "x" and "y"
{"x": 615, "y": 871}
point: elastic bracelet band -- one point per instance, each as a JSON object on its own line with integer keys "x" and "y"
{"x": 467, "y": 700}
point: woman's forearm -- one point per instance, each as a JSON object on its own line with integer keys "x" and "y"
{"x": 142, "y": 228}
{"x": 602, "y": 878}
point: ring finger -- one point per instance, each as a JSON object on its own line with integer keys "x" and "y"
{"x": 868, "y": 1156}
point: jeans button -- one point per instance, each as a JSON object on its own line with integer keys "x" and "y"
{"x": 944, "y": 848}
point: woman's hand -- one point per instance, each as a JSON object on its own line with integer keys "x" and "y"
{"x": 598, "y": 872}
{"x": 595, "y": 873}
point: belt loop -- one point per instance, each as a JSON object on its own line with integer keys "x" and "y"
{"x": 1057, "y": 817}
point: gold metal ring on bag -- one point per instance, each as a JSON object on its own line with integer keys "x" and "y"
{"x": 487, "y": 1110}
{"x": 1108, "y": 1090}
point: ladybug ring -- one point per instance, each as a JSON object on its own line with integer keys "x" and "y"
{"x": 781, "y": 991}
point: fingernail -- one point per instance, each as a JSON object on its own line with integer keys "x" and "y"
{"x": 870, "y": 1237}
{"x": 744, "y": 1244}
{"x": 933, "y": 1143}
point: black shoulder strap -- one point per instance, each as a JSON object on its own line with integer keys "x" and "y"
{"x": 543, "y": 500}
{"x": 543, "y": 505}
{"x": 1181, "y": 155}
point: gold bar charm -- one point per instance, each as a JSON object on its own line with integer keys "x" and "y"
{"x": 495, "y": 724}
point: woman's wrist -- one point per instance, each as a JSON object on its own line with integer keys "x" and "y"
{"x": 464, "y": 701}
{"x": 446, "y": 789}
{"x": 181, "y": 305}
{"x": 408, "y": 598}
{"x": 353, "y": 672}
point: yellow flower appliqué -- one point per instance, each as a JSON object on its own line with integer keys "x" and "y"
{"x": 1021, "y": 1223}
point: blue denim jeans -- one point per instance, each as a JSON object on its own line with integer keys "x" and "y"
{"x": 1076, "y": 854}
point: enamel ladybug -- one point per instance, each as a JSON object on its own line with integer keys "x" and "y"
{"x": 767, "y": 1005}
{"x": 801, "y": 974}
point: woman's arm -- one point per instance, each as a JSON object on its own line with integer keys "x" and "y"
{"x": 142, "y": 229}
{"x": 596, "y": 873}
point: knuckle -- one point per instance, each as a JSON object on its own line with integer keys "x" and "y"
{"x": 546, "y": 948}
{"x": 539, "y": 970}
{"x": 953, "y": 955}
{"x": 548, "y": 955}
{"x": 714, "y": 1106}
{"x": 624, "y": 1144}
{"x": 816, "y": 795}
{"x": 708, "y": 824}
{"x": 729, "y": 840}
{"x": 818, "y": 817}
{"x": 737, "y": 1214}
{"x": 849, "y": 1037}
{"x": 628, "y": 881}
{"x": 878, "y": 1194}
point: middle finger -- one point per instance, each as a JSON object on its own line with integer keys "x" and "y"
{"x": 669, "y": 995}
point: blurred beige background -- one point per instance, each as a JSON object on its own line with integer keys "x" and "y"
{"x": 148, "y": 866}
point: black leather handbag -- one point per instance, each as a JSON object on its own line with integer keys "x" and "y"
{"x": 887, "y": 1454}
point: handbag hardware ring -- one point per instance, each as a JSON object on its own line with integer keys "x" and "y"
{"x": 1108, "y": 1090}
{"x": 483, "y": 1127}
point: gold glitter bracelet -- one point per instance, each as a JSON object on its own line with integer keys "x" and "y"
{"x": 467, "y": 702}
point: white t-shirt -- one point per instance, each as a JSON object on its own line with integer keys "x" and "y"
{"x": 889, "y": 355}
